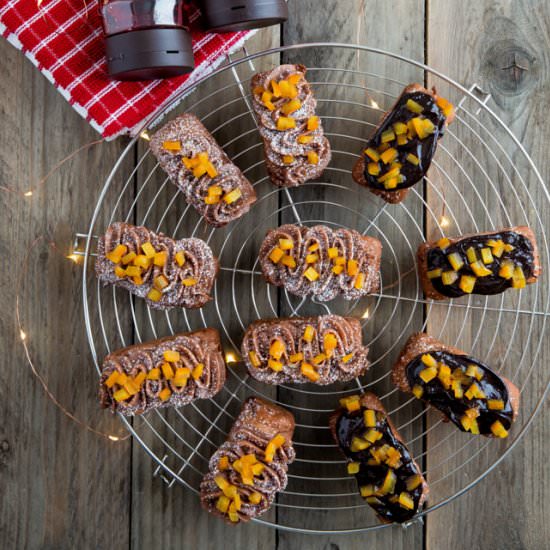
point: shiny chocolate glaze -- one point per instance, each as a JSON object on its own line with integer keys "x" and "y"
{"x": 444, "y": 400}
{"x": 424, "y": 149}
{"x": 350, "y": 425}
{"x": 522, "y": 255}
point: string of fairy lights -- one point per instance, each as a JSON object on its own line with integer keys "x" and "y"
{"x": 230, "y": 356}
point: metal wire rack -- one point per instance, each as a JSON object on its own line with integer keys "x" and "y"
{"x": 482, "y": 178}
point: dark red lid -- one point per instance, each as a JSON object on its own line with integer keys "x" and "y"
{"x": 148, "y": 54}
{"x": 240, "y": 15}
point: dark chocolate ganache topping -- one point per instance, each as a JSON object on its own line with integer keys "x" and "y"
{"x": 387, "y": 476}
{"x": 481, "y": 264}
{"x": 398, "y": 155}
{"x": 465, "y": 390}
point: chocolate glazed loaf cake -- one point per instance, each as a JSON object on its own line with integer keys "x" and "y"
{"x": 208, "y": 179}
{"x": 467, "y": 392}
{"x": 389, "y": 479}
{"x": 322, "y": 262}
{"x": 169, "y": 372}
{"x": 483, "y": 263}
{"x": 323, "y": 350}
{"x": 167, "y": 273}
{"x": 401, "y": 150}
{"x": 250, "y": 468}
{"x": 296, "y": 149}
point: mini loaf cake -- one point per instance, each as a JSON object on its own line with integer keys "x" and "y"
{"x": 483, "y": 263}
{"x": 208, "y": 179}
{"x": 167, "y": 273}
{"x": 322, "y": 350}
{"x": 250, "y": 468}
{"x": 466, "y": 391}
{"x": 400, "y": 152}
{"x": 169, "y": 372}
{"x": 321, "y": 262}
{"x": 296, "y": 149}
{"x": 389, "y": 479}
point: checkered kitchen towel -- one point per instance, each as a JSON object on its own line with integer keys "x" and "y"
{"x": 63, "y": 38}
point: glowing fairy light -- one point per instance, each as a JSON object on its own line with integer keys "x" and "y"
{"x": 27, "y": 194}
{"x": 230, "y": 357}
{"x": 22, "y": 335}
{"x": 73, "y": 257}
{"x": 365, "y": 315}
{"x": 374, "y": 105}
{"x": 444, "y": 221}
{"x": 113, "y": 438}
{"x": 144, "y": 135}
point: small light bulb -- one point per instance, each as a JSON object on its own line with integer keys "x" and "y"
{"x": 114, "y": 438}
{"x": 28, "y": 194}
{"x": 73, "y": 257}
{"x": 230, "y": 357}
{"x": 22, "y": 335}
{"x": 365, "y": 315}
{"x": 444, "y": 221}
{"x": 374, "y": 105}
{"x": 144, "y": 135}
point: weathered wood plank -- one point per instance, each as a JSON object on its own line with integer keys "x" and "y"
{"x": 55, "y": 475}
{"x": 398, "y": 28}
{"x": 220, "y": 106}
{"x": 502, "y": 46}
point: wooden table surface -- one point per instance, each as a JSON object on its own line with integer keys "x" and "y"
{"x": 63, "y": 486}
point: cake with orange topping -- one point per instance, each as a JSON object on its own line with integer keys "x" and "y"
{"x": 250, "y": 468}
{"x": 165, "y": 272}
{"x": 401, "y": 150}
{"x": 322, "y": 350}
{"x": 296, "y": 149}
{"x": 169, "y": 372}
{"x": 388, "y": 477}
{"x": 208, "y": 179}
{"x": 466, "y": 391}
{"x": 479, "y": 263}
{"x": 321, "y": 262}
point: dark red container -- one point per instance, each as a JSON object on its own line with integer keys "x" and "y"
{"x": 146, "y": 39}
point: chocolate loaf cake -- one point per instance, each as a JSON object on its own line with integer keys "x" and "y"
{"x": 167, "y": 273}
{"x": 321, "y": 262}
{"x": 169, "y": 372}
{"x": 322, "y": 350}
{"x": 208, "y": 179}
{"x": 389, "y": 479}
{"x": 296, "y": 149}
{"x": 401, "y": 150}
{"x": 483, "y": 263}
{"x": 467, "y": 392}
{"x": 250, "y": 468}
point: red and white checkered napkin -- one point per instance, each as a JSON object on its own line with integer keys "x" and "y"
{"x": 63, "y": 38}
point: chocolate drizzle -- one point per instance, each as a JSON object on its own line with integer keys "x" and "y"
{"x": 350, "y": 244}
{"x": 200, "y": 265}
{"x": 194, "y": 139}
{"x": 522, "y": 255}
{"x": 347, "y": 361}
{"x": 279, "y": 144}
{"x": 423, "y": 149}
{"x": 350, "y": 425}
{"x": 435, "y": 393}
{"x": 200, "y": 347}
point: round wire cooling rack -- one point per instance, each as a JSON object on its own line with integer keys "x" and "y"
{"x": 481, "y": 179}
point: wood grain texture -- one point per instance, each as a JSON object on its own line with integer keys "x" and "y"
{"x": 503, "y": 46}
{"x": 397, "y": 27}
{"x": 157, "y": 509}
{"x": 63, "y": 487}
{"x": 54, "y": 475}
